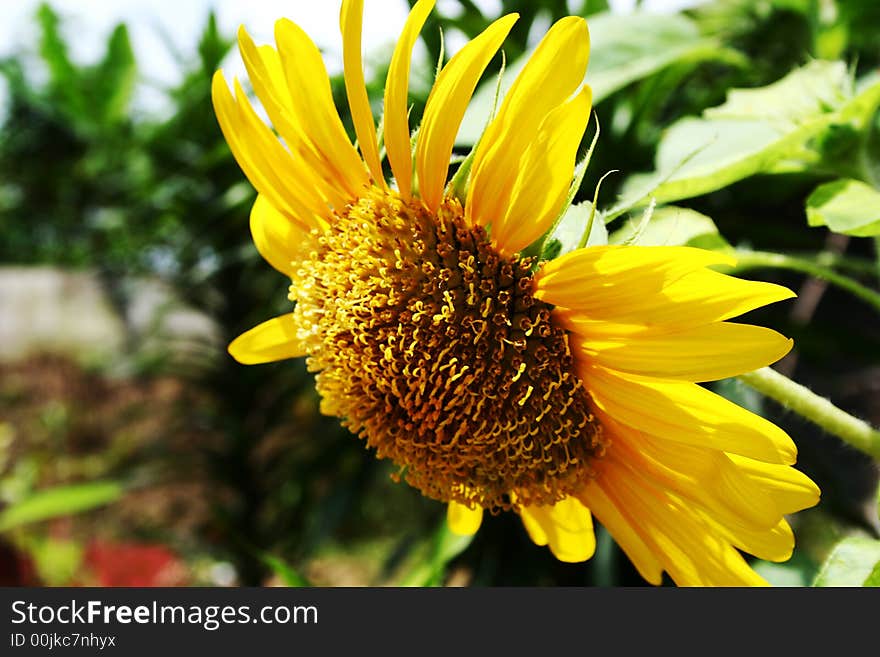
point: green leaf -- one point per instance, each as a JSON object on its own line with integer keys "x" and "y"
{"x": 444, "y": 547}
{"x": 58, "y": 561}
{"x": 285, "y": 572}
{"x": 860, "y": 110}
{"x": 624, "y": 48}
{"x": 845, "y": 206}
{"x": 853, "y": 562}
{"x": 63, "y": 74}
{"x": 213, "y": 45}
{"x": 60, "y": 501}
{"x": 672, "y": 226}
{"x": 797, "y": 571}
{"x": 764, "y": 130}
{"x": 742, "y": 395}
{"x": 628, "y": 47}
{"x": 874, "y": 578}
{"x": 817, "y": 88}
{"x": 570, "y": 230}
{"x": 114, "y": 77}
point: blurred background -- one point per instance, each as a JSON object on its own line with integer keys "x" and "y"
{"x": 135, "y": 451}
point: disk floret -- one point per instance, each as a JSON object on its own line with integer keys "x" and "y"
{"x": 430, "y": 345}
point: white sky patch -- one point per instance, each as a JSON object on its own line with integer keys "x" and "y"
{"x": 88, "y": 23}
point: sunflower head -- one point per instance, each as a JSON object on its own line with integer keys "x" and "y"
{"x": 556, "y": 389}
{"x": 431, "y": 346}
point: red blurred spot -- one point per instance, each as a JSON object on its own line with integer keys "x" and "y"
{"x": 134, "y": 564}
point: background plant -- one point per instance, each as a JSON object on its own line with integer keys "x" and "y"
{"x": 743, "y": 126}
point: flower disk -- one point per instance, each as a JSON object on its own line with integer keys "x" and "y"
{"x": 431, "y": 347}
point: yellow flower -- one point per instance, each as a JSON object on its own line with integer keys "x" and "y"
{"x": 560, "y": 389}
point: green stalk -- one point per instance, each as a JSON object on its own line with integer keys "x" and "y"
{"x": 746, "y": 259}
{"x": 816, "y": 409}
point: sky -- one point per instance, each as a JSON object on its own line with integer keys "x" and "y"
{"x": 89, "y": 22}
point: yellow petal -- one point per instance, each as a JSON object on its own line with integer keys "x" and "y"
{"x": 351, "y": 23}
{"x": 600, "y": 279}
{"x": 313, "y": 105}
{"x": 463, "y": 520}
{"x": 686, "y": 413}
{"x": 293, "y": 180}
{"x": 705, "y": 353}
{"x": 552, "y": 74}
{"x": 701, "y": 475}
{"x": 724, "y": 496}
{"x": 544, "y": 177}
{"x": 790, "y": 489}
{"x": 259, "y": 154}
{"x": 774, "y": 544}
{"x": 267, "y": 76}
{"x": 446, "y": 106}
{"x": 651, "y": 287}
{"x": 272, "y": 340}
{"x": 688, "y": 477}
{"x": 566, "y": 526}
{"x": 277, "y": 238}
{"x": 623, "y": 530}
{"x": 705, "y": 296}
{"x": 397, "y": 143}
{"x": 691, "y": 550}
{"x": 265, "y": 62}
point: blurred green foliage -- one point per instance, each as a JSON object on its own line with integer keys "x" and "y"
{"x": 86, "y": 181}
{"x": 65, "y": 153}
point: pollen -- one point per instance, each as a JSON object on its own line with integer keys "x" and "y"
{"x": 430, "y": 346}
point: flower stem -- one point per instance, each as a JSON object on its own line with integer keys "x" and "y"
{"x": 747, "y": 259}
{"x": 816, "y": 409}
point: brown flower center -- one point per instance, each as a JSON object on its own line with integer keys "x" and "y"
{"x": 430, "y": 346}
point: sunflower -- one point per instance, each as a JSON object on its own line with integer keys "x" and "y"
{"x": 557, "y": 389}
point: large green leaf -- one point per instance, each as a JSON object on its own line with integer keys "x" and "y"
{"x": 63, "y": 75}
{"x": 672, "y": 226}
{"x": 88, "y": 97}
{"x": 59, "y": 501}
{"x": 873, "y": 579}
{"x": 853, "y": 562}
{"x": 114, "y": 77}
{"x": 762, "y": 130}
{"x": 628, "y": 47}
{"x": 624, "y": 48}
{"x": 845, "y": 206}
